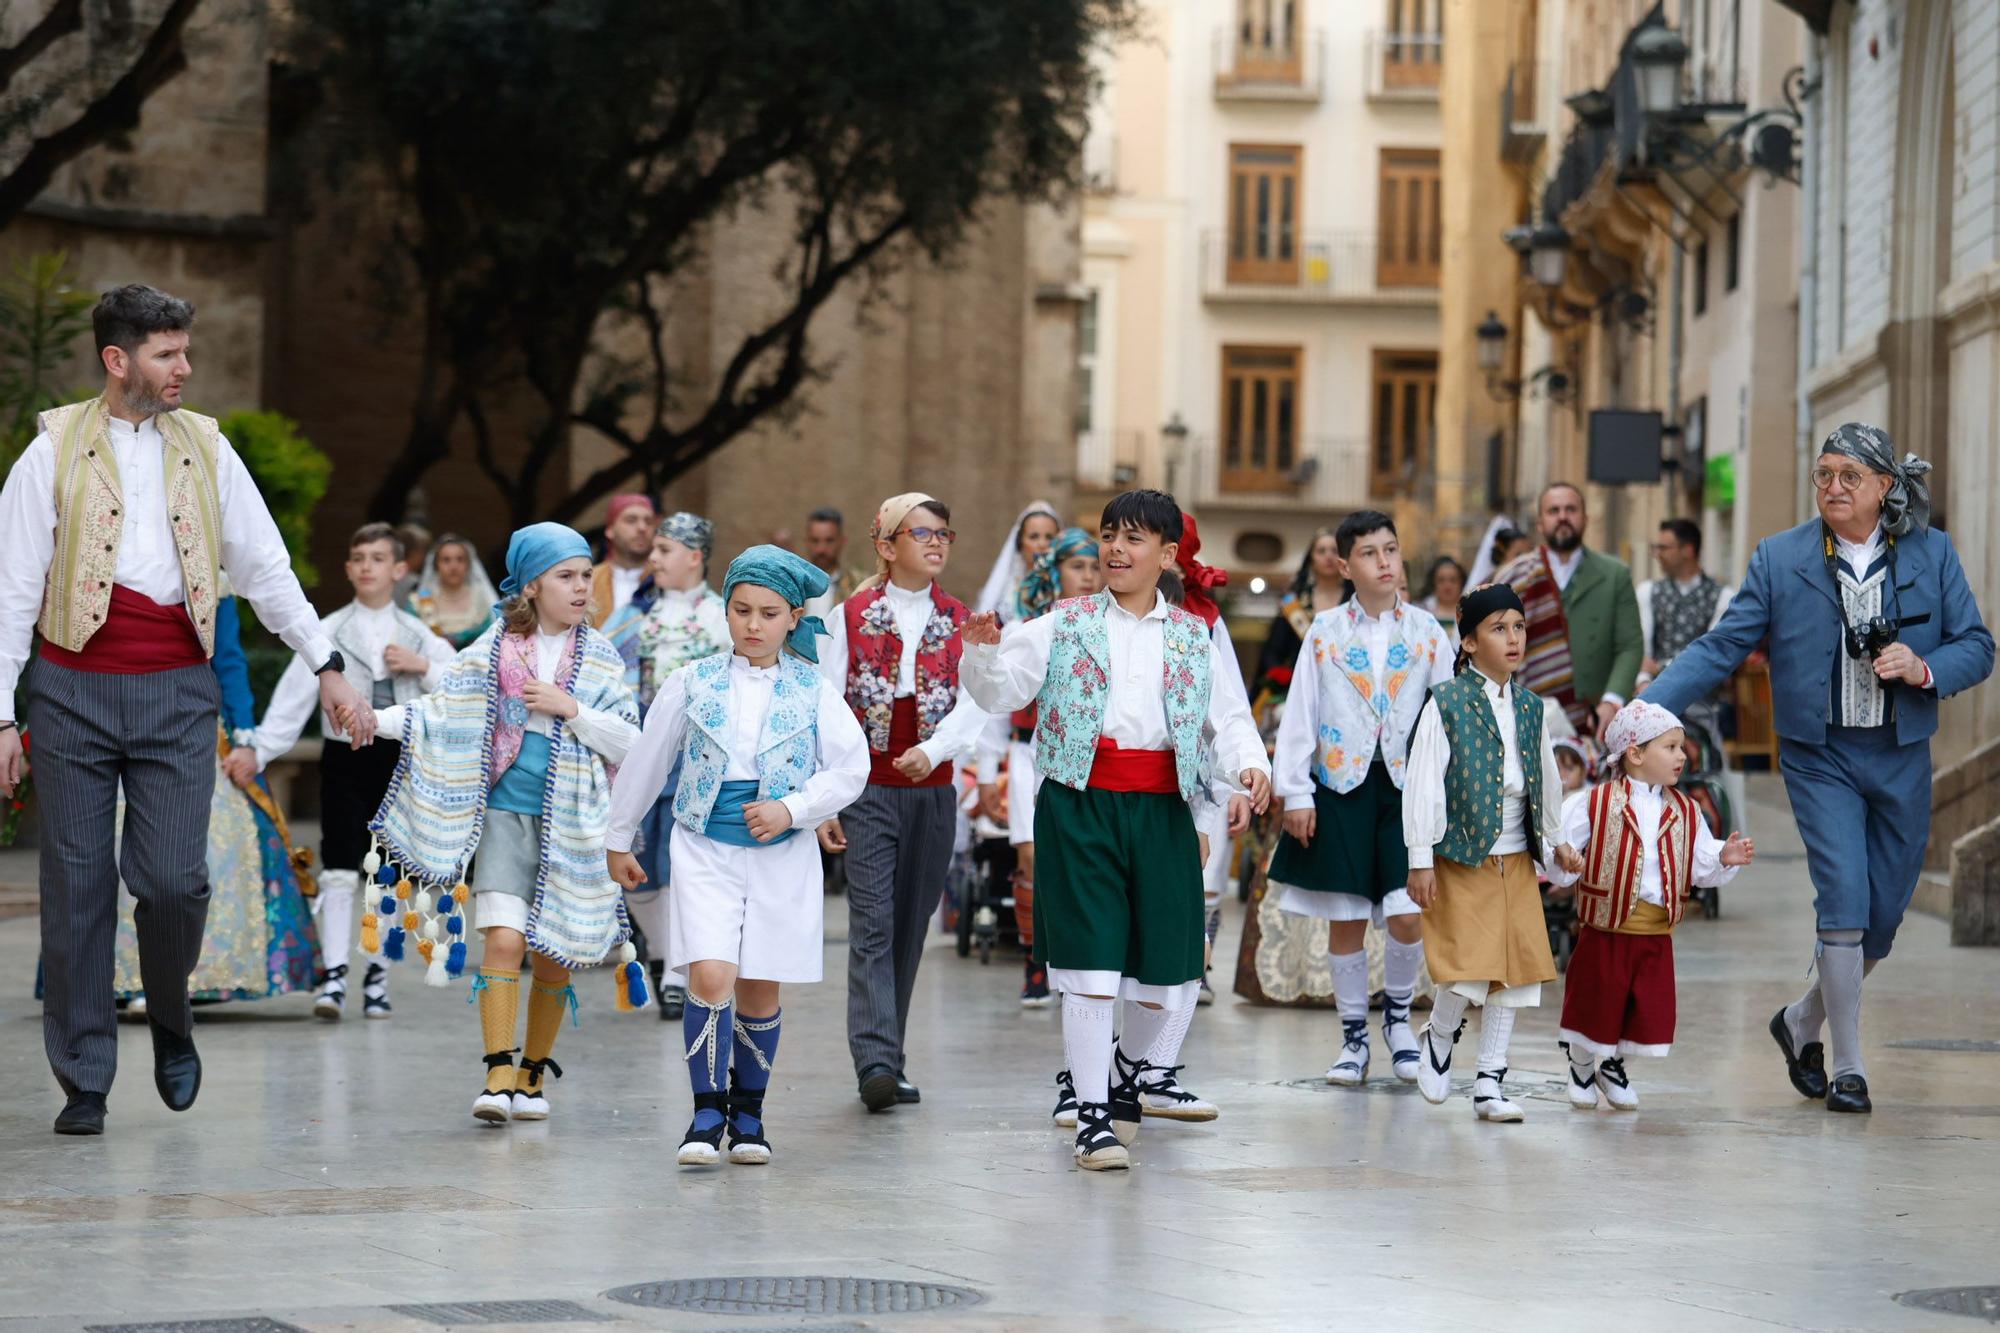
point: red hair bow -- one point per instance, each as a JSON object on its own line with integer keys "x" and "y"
{"x": 1196, "y": 577}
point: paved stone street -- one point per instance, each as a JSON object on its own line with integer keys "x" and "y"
{"x": 329, "y": 1173}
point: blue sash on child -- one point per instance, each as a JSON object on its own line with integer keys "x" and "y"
{"x": 726, "y": 823}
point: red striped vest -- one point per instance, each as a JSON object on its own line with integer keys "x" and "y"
{"x": 1611, "y": 864}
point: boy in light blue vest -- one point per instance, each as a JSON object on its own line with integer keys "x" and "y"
{"x": 767, "y": 747}
{"x": 1122, "y": 686}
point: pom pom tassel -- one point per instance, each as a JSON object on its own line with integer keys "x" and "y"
{"x": 435, "y": 974}
{"x": 455, "y": 961}
{"x": 632, "y": 992}
{"x": 392, "y": 948}
{"x": 371, "y": 933}
{"x": 373, "y": 861}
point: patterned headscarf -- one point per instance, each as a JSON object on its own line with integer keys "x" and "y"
{"x": 691, "y": 530}
{"x": 1634, "y": 725}
{"x": 887, "y": 519}
{"x": 1042, "y": 584}
{"x": 1907, "y": 506}
{"x": 1197, "y": 578}
{"x": 793, "y": 578}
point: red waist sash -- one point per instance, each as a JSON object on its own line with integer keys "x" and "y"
{"x": 902, "y": 735}
{"x": 138, "y": 635}
{"x": 1133, "y": 770}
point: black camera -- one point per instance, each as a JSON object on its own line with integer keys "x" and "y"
{"x": 1869, "y": 639}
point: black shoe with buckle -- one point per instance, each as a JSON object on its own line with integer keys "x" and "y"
{"x": 1849, "y": 1093}
{"x": 1806, "y": 1066}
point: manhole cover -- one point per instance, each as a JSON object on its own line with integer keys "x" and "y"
{"x": 1948, "y": 1044}
{"x": 1978, "y": 1302}
{"x": 795, "y": 1295}
{"x": 201, "y": 1326}
{"x": 501, "y": 1312}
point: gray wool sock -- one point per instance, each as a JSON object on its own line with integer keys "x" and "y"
{"x": 1840, "y": 973}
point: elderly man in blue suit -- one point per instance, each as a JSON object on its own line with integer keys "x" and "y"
{"x": 1877, "y": 624}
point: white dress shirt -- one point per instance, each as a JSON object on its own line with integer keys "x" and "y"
{"x": 1859, "y": 555}
{"x": 1705, "y": 869}
{"x": 958, "y": 735}
{"x": 1563, "y": 566}
{"x": 843, "y": 752}
{"x": 252, "y": 553}
{"x": 625, "y": 582}
{"x": 607, "y": 733}
{"x": 297, "y": 692}
{"x": 1425, "y": 817}
{"x": 1009, "y": 675}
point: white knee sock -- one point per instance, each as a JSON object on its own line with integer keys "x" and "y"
{"x": 1496, "y": 1026}
{"x": 1350, "y": 985}
{"x": 1447, "y": 1012}
{"x": 1087, "y": 1043}
{"x": 1142, "y": 1029}
{"x": 1400, "y": 964}
{"x": 1166, "y": 1051}
{"x": 337, "y": 914}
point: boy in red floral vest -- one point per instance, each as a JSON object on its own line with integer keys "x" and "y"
{"x": 894, "y": 657}
{"x": 1644, "y": 843}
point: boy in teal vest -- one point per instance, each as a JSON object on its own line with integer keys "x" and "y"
{"x": 1122, "y": 686}
{"x": 1481, "y": 805}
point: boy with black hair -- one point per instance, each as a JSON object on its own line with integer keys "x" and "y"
{"x": 1126, "y": 714}
{"x": 1361, "y": 680}
{"x": 390, "y": 657}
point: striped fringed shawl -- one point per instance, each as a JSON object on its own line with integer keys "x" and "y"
{"x": 435, "y": 810}
{"x": 1545, "y": 668}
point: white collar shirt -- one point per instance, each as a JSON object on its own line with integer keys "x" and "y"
{"x": 1860, "y": 555}
{"x": 548, "y": 657}
{"x": 625, "y": 582}
{"x": 373, "y": 629}
{"x": 1513, "y": 778}
{"x": 1563, "y": 566}
{"x": 751, "y": 690}
{"x": 1647, "y": 806}
{"x": 913, "y": 612}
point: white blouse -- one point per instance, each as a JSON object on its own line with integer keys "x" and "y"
{"x": 1705, "y": 872}
{"x": 1005, "y": 676}
{"x": 843, "y": 751}
{"x": 1425, "y": 817}
{"x": 607, "y": 733}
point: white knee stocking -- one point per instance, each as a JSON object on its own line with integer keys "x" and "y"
{"x": 1496, "y": 1026}
{"x": 337, "y": 914}
{"x": 1350, "y": 985}
{"x": 1447, "y": 1012}
{"x": 1142, "y": 1029}
{"x": 1087, "y": 1043}
{"x": 1400, "y": 964}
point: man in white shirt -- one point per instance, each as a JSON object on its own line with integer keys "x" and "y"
{"x": 393, "y": 657}
{"x": 120, "y": 518}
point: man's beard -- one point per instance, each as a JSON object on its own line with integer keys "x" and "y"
{"x": 1566, "y": 541}
{"x": 146, "y": 398}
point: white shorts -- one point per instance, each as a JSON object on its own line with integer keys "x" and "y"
{"x": 1346, "y": 906}
{"x": 1507, "y": 997}
{"x": 761, "y": 908}
{"x": 1022, "y": 780}
{"x": 1076, "y": 981}
{"x": 1214, "y": 821}
{"x": 490, "y": 909}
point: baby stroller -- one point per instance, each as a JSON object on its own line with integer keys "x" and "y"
{"x": 1702, "y": 781}
{"x": 985, "y": 890}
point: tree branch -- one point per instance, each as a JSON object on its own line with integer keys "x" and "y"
{"x": 63, "y": 18}
{"x": 119, "y": 107}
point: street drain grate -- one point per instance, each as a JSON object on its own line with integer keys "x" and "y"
{"x": 460, "y": 1313}
{"x": 1978, "y": 1302}
{"x": 1948, "y": 1044}
{"x": 258, "y": 1325}
{"x": 795, "y": 1295}
{"x": 199, "y": 1325}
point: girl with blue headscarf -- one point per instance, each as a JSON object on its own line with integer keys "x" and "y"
{"x": 513, "y": 755}
{"x": 766, "y": 748}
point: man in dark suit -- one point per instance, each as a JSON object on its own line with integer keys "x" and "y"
{"x": 1877, "y": 625}
{"x": 1605, "y": 643}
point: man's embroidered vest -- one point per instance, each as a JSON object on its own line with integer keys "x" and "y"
{"x": 1613, "y": 861}
{"x": 787, "y": 752}
{"x": 875, "y": 661}
{"x": 1355, "y": 718}
{"x": 90, "y": 518}
{"x": 1071, "y": 704}
{"x": 409, "y": 633}
{"x": 1474, "y": 779}
{"x": 1679, "y": 618}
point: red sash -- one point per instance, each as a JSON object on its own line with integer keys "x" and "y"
{"x": 1115, "y": 769}
{"x": 902, "y": 735}
{"x": 139, "y": 635}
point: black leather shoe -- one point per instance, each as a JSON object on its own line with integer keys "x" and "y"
{"x": 1849, "y": 1093}
{"x": 878, "y": 1087}
{"x": 1807, "y": 1065}
{"x": 176, "y": 1068}
{"x": 82, "y": 1114}
{"x": 906, "y": 1092}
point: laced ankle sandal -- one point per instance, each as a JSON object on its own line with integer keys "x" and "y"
{"x": 703, "y": 1147}
{"x": 1125, "y": 1109}
{"x": 747, "y": 1147}
{"x": 495, "y": 1105}
{"x": 1097, "y": 1145}
{"x": 531, "y": 1098}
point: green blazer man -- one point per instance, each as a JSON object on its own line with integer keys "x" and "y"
{"x": 1605, "y": 645}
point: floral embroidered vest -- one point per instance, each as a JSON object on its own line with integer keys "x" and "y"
{"x": 90, "y": 519}
{"x": 1071, "y": 704}
{"x": 1473, "y": 780}
{"x": 1615, "y": 858}
{"x": 875, "y": 660}
{"x": 1355, "y": 719}
{"x": 787, "y": 753}
{"x": 670, "y": 639}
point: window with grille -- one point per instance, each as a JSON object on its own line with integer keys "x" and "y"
{"x": 1410, "y": 223}
{"x": 1260, "y": 417}
{"x": 1264, "y": 213}
{"x": 1268, "y": 41}
{"x": 1413, "y": 44}
{"x": 1404, "y": 415}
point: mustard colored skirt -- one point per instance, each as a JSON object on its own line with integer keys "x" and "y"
{"x": 1487, "y": 924}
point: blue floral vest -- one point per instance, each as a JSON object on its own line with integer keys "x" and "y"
{"x": 1071, "y": 704}
{"x": 787, "y": 755}
{"x": 1355, "y": 719}
{"x": 1473, "y": 777}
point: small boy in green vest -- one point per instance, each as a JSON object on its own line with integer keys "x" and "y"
{"x": 1481, "y": 805}
{"x": 1122, "y": 684}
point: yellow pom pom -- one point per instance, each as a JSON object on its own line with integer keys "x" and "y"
{"x": 371, "y": 939}
{"x": 403, "y": 889}
{"x": 461, "y": 893}
{"x": 411, "y": 921}
{"x": 424, "y": 947}
{"x": 368, "y": 921}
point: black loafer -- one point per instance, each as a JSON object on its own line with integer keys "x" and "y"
{"x": 1806, "y": 1066}
{"x": 906, "y": 1092}
{"x": 176, "y": 1068}
{"x": 878, "y": 1087}
{"x": 1849, "y": 1093}
{"x": 82, "y": 1114}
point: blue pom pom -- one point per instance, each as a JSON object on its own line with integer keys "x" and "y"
{"x": 386, "y": 875}
{"x": 456, "y": 926}
{"x": 388, "y": 907}
{"x": 635, "y": 984}
{"x": 392, "y": 948}
{"x": 454, "y": 963}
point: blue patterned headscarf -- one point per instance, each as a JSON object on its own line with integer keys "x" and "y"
{"x": 1907, "y": 506}
{"x": 1042, "y": 584}
{"x": 536, "y": 549}
{"x": 691, "y": 530}
{"x": 796, "y": 580}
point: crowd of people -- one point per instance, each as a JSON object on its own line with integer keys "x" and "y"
{"x": 609, "y": 761}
